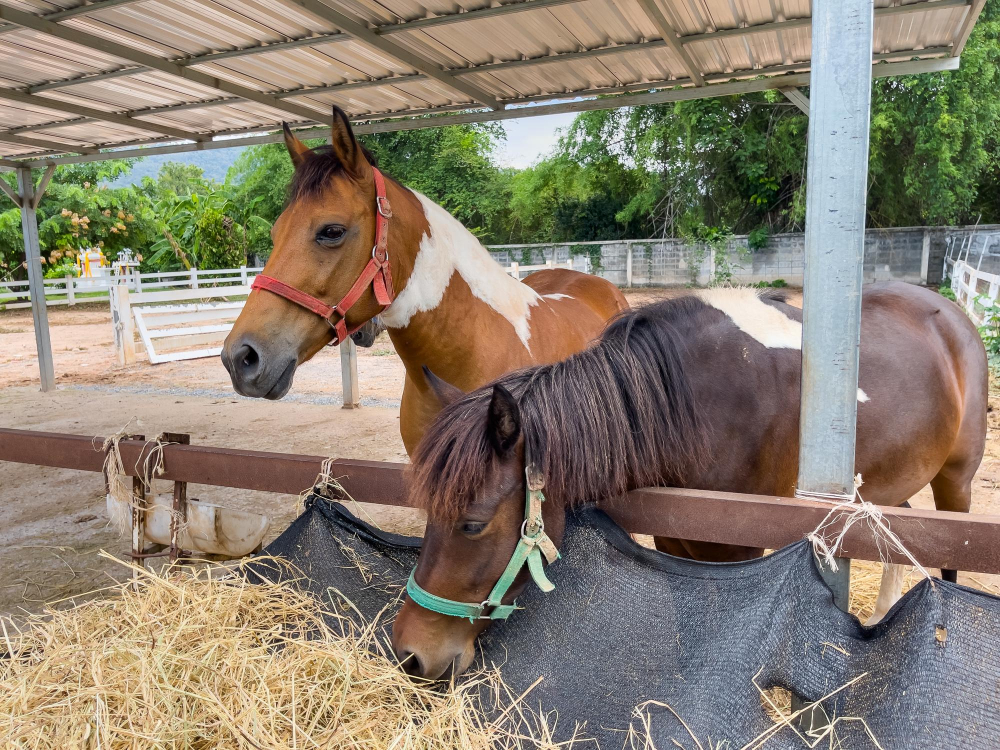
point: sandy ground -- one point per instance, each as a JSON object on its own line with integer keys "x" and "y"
{"x": 54, "y": 521}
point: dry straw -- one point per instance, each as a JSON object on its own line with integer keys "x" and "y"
{"x": 199, "y": 660}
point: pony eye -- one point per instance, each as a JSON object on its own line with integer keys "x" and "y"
{"x": 330, "y": 234}
{"x": 471, "y": 528}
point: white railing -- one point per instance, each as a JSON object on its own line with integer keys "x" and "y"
{"x": 72, "y": 290}
{"x": 516, "y": 269}
{"x": 976, "y": 291}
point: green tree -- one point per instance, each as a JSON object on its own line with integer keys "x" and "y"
{"x": 182, "y": 179}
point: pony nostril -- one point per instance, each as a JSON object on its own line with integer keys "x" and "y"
{"x": 410, "y": 663}
{"x": 246, "y": 360}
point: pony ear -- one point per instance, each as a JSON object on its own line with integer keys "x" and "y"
{"x": 446, "y": 393}
{"x": 503, "y": 422}
{"x": 296, "y": 148}
{"x": 346, "y": 147}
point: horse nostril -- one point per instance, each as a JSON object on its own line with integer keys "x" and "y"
{"x": 410, "y": 663}
{"x": 246, "y": 361}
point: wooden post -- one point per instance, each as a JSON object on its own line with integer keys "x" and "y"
{"x": 194, "y": 278}
{"x": 70, "y": 290}
{"x": 925, "y": 257}
{"x": 179, "y": 506}
{"x": 138, "y": 520}
{"x": 121, "y": 324}
{"x": 349, "y": 373}
{"x": 36, "y": 277}
{"x": 243, "y": 275}
{"x": 628, "y": 265}
{"x": 515, "y": 271}
{"x": 138, "y": 281}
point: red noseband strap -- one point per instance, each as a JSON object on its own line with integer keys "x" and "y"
{"x": 376, "y": 274}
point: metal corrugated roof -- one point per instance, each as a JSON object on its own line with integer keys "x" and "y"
{"x": 76, "y": 77}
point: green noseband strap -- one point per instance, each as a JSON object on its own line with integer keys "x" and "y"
{"x": 533, "y": 545}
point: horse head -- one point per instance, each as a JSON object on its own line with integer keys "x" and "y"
{"x": 487, "y": 532}
{"x": 323, "y": 244}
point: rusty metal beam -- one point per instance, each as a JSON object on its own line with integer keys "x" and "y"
{"x": 936, "y": 538}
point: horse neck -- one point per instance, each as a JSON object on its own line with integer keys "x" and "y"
{"x": 457, "y": 311}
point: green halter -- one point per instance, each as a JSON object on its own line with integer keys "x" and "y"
{"x": 533, "y": 544}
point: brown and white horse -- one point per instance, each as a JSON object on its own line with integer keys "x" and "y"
{"x": 700, "y": 392}
{"x": 455, "y": 309}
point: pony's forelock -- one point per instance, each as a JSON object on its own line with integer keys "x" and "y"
{"x": 318, "y": 167}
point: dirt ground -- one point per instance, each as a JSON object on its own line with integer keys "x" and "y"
{"x": 54, "y": 521}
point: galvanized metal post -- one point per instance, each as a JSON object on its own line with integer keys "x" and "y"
{"x": 36, "y": 278}
{"x": 837, "y": 176}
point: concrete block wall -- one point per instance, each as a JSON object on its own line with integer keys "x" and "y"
{"x": 912, "y": 254}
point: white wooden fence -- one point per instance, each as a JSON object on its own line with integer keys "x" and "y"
{"x": 975, "y": 290}
{"x": 72, "y": 290}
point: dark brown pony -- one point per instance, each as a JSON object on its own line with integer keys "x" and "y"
{"x": 455, "y": 310}
{"x": 699, "y": 392}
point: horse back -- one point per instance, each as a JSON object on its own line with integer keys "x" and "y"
{"x": 604, "y": 298}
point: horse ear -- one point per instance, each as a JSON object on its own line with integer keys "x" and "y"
{"x": 346, "y": 147}
{"x": 446, "y": 393}
{"x": 503, "y": 423}
{"x": 296, "y": 148}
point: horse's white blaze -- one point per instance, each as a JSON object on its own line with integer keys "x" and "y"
{"x": 862, "y": 397}
{"x": 889, "y": 591}
{"x": 450, "y": 247}
{"x": 763, "y": 322}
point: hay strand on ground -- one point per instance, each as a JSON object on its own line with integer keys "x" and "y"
{"x": 195, "y": 660}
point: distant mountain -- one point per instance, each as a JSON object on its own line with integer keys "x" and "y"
{"x": 215, "y": 163}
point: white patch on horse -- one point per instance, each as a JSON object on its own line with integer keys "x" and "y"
{"x": 556, "y": 296}
{"x": 450, "y": 247}
{"x": 862, "y": 397}
{"x": 763, "y": 322}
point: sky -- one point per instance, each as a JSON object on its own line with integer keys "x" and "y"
{"x": 529, "y": 139}
{"x": 532, "y": 138}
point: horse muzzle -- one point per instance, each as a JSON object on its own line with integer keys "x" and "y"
{"x": 255, "y": 373}
{"x": 429, "y": 649}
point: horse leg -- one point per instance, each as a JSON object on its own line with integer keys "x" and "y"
{"x": 706, "y": 551}
{"x": 952, "y": 489}
{"x": 889, "y": 592}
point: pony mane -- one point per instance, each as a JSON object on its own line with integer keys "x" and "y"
{"x": 319, "y": 165}
{"x": 611, "y": 418}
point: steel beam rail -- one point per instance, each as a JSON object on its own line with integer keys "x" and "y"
{"x": 936, "y": 538}
{"x": 584, "y": 105}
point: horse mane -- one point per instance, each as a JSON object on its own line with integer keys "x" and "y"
{"x": 616, "y": 416}
{"x": 318, "y": 166}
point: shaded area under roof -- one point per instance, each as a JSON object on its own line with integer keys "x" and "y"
{"x": 76, "y": 78}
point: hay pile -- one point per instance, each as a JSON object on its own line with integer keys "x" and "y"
{"x": 203, "y": 661}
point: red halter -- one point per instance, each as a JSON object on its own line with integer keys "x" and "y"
{"x": 377, "y": 273}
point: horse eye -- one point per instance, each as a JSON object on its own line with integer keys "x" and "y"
{"x": 471, "y": 528}
{"x": 330, "y": 234}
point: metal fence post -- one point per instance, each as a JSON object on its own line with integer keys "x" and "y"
{"x": 837, "y": 175}
{"x": 628, "y": 265}
{"x": 36, "y": 278}
{"x": 349, "y": 373}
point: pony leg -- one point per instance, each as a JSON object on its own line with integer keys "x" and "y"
{"x": 952, "y": 489}
{"x": 890, "y": 590}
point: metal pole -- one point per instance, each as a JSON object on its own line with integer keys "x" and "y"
{"x": 837, "y": 177}
{"x": 36, "y": 280}
{"x": 837, "y": 174}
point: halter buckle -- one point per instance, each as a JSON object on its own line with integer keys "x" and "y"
{"x": 383, "y": 206}
{"x": 382, "y": 257}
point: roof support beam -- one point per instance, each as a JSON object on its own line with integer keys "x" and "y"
{"x": 970, "y": 20}
{"x": 9, "y": 192}
{"x": 797, "y": 98}
{"x": 653, "y": 12}
{"x": 124, "y": 52}
{"x": 96, "y": 114}
{"x": 44, "y": 143}
{"x": 798, "y": 23}
{"x": 582, "y": 105}
{"x": 62, "y": 15}
{"x": 367, "y": 35}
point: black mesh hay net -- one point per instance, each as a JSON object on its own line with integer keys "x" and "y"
{"x": 673, "y": 650}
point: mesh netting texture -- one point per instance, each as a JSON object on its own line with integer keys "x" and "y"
{"x": 635, "y": 638}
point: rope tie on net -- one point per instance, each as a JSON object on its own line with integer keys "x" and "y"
{"x": 846, "y": 511}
